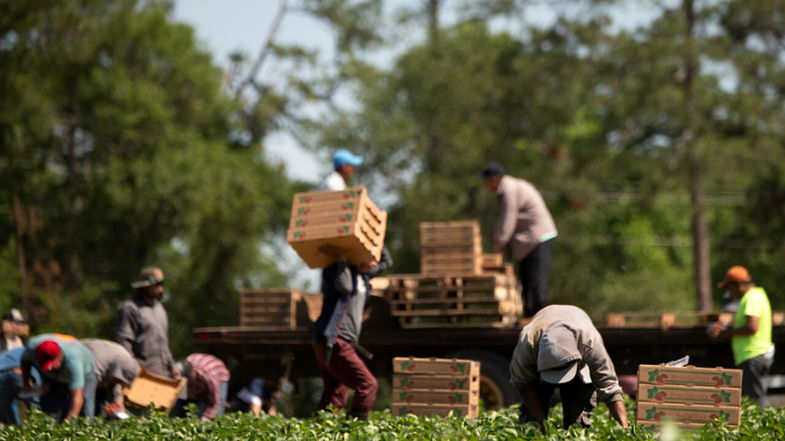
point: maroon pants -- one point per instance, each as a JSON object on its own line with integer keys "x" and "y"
{"x": 345, "y": 371}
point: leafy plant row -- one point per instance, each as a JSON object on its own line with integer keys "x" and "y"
{"x": 757, "y": 424}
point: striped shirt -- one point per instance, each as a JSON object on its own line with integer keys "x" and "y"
{"x": 208, "y": 373}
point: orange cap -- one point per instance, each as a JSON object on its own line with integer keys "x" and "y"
{"x": 735, "y": 274}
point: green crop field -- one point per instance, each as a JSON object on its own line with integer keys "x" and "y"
{"x": 757, "y": 424}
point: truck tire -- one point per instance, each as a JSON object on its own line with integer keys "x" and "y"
{"x": 495, "y": 388}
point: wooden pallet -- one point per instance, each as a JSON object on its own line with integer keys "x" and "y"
{"x": 271, "y": 307}
{"x": 459, "y": 321}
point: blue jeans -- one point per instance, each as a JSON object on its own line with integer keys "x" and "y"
{"x": 57, "y": 400}
{"x": 10, "y": 384}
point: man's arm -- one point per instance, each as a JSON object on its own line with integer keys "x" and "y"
{"x": 385, "y": 263}
{"x": 77, "y": 400}
{"x": 213, "y": 399}
{"x": 618, "y": 412}
{"x": 506, "y": 222}
{"x": 126, "y": 325}
{"x": 718, "y": 332}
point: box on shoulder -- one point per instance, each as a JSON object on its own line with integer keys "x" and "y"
{"x": 689, "y": 376}
{"x": 710, "y": 396}
{"x": 347, "y": 219}
{"x": 683, "y": 413}
{"x": 435, "y": 366}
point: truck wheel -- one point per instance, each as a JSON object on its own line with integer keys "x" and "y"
{"x": 495, "y": 388}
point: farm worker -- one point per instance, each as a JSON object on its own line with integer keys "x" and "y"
{"x": 344, "y": 163}
{"x": 10, "y": 384}
{"x": 14, "y": 328}
{"x": 208, "y": 385}
{"x": 257, "y": 396}
{"x": 753, "y": 351}
{"x": 561, "y": 348}
{"x": 66, "y": 368}
{"x": 114, "y": 368}
{"x": 143, "y": 326}
{"x": 346, "y": 288}
{"x": 525, "y": 232}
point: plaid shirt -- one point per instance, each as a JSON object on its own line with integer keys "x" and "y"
{"x": 208, "y": 373}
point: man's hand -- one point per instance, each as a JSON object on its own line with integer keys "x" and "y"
{"x": 715, "y": 331}
{"x": 619, "y": 412}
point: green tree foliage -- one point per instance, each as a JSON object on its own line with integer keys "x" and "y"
{"x": 117, "y": 151}
{"x": 598, "y": 117}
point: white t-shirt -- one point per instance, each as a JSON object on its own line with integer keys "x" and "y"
{"x": 334, "y": 182}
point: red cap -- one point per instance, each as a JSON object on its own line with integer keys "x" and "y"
{"x": 736, "y": 274}
{"x": 47, "y": 354}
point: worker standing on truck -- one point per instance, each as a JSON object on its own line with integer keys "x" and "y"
{"x": 143, "y": 326}
{"x": 561, "y": 348}
{"x": 346, "y": 288}
{"x": 525, "y": 232}
{"x": 344, "y": 163}
{"x": 750, "y": 335}
{"x": 66, "y": 368}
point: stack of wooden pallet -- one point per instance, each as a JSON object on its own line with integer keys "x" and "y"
{"x": 280, "y": 308}
{"x": 434, "y": 386}
{"x": 458, "y": 301}
{"x": 449, "y": 248}
{"x": 688, "y": 396}
{"x": 345, "y": 219}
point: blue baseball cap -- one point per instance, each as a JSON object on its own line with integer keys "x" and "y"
{"x": 343, "y": 156}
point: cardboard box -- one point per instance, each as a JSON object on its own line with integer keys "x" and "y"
{"x": 450, "y": 248}
{"x": 269, "y": 307}
{"x": 442, "y": 410}
{"x": 346, "y": 219}
{"x": 436, "y": 396}
{"x": 689, "y": 376}
{"x": 149, "y": 388}
{"x": 682, "y": 413}
{"x": 436, "y": 366}
{"x": 444, "y": 383}
{"x": 709, "y": 396}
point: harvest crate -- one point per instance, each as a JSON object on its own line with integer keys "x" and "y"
{"x": 436, "y": 386}
{"x": 346, "y": 219}
{"x": 450, "y": 248}
{"x": 468, "y": 301}
{"x": 269, "y": 307}
{"x": 442, "y": 410}
{"x": 688, "y": 396}
{"x": 664, "y": 320}
{"x": 149, "y": 388}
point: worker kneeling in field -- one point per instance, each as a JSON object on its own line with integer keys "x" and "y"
{"x": 561, "y": 348}
{"x": 346, "y": 288}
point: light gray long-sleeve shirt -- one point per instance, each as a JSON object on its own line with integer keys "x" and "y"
{"x": 113, "y": 365}
{"x": 523, "y": 367}
{"x": 523, "y": 221}
{"x": 143, "y": 330}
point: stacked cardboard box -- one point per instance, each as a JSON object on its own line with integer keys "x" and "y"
{"x": 688, "y": 396}
{"x": 278, "y": 308}
{"x": 434, "y": 386}
{"x": 346, "y": 219}
{"x": 450, "y": 248}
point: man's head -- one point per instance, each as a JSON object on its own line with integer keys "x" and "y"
{"x": 558, "y": 357}
{"x": 150, "y": 283}
{"x": 49, "y": 355}
{"x": 492, "y": 175}
{"x": 345, "y": 161}
{"x": 737, "y": 281}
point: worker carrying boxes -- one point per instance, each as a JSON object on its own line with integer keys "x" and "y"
{"x": 346, "y": 219}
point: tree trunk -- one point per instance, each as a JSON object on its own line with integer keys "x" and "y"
{"x": 700, "y": 233}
